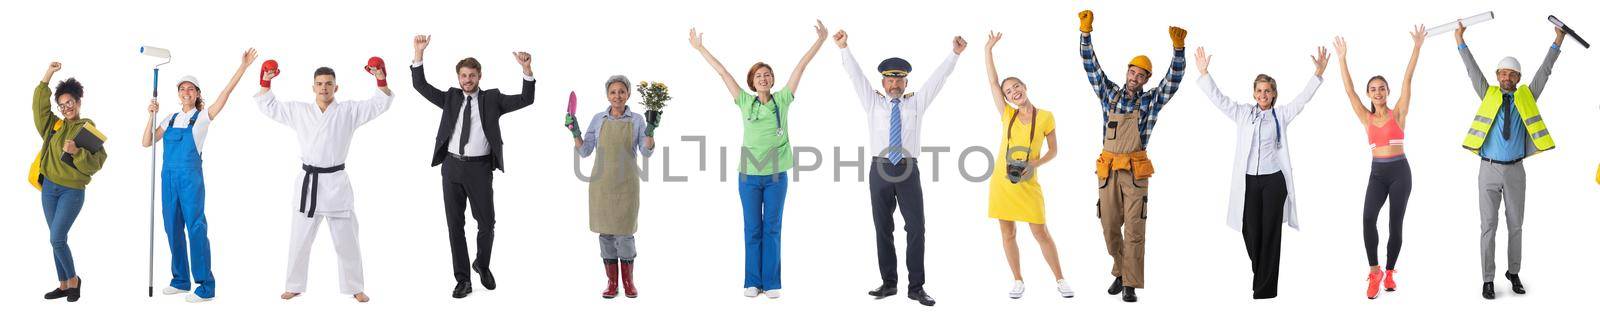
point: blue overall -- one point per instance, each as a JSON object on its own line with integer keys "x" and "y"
{"x": 183, "y": 206}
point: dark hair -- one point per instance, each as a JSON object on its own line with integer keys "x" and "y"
{"x": 471, "y": 63}
{"x": 750, "y": 79}
{"x": 199, "y": 101}
{"x": 324, "y": 71}
{"x": 1372, "y": 108}
{"x": 71, "y": 86}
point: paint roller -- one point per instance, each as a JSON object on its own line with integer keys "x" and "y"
{"x": 155, "y": 87}
{"x": 1569, "y": 31}
{"x": 1451, "y": 27}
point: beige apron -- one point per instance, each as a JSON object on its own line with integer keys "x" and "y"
{"x": 614, "y": 189}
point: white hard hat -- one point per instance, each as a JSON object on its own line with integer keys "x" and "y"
{"x": 1510, "y": 63}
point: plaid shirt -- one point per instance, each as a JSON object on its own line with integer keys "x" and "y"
{"x": 1112, "y": 98}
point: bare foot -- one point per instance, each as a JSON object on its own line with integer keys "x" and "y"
{"x": 362, "y": 297}
{"x": 289, "y": 295}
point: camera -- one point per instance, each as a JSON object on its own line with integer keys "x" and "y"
{"x": 1015, "y": 170}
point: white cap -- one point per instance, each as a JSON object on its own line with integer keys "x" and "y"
{"x": 1510, "y": 63}
{"x": 190, "y": 79}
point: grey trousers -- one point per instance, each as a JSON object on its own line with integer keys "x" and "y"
{"x": 1497, "y": 183}
{"x": 617, "y": 247}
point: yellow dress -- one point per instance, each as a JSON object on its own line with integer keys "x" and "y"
{"x": 1023, "y": 201}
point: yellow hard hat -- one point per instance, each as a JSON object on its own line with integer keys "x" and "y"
{"x": 1141, "y": 62}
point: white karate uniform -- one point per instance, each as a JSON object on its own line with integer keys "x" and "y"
{"x": 325, "y": 142}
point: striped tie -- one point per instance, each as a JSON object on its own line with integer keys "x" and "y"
{"x": 894, "y": 133}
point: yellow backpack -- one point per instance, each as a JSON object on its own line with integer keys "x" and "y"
{"x": 34, "y": 171}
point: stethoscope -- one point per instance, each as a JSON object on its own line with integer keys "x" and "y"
{"x": 755, "y": 115}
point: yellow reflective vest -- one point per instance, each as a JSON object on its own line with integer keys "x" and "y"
{"x": 1523, "y": 100}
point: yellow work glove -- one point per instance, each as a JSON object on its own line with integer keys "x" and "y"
{"x": 1086, "y": 21}
{"x": 1177, "y": 34}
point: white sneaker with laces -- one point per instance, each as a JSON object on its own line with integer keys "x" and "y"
{"x": 751, "y": 292}
{"x": 172, "y": 291}
{"x": 193, "y": 299}
{"x": 773, "y": 294}
{"x": 1066, "y": 291}
{"x": 1016, "y": 290}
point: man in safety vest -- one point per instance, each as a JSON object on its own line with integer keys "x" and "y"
{"x": 1507, "y": 129}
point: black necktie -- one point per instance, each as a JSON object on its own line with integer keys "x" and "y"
{"x": 466, "y": 126}
{"x": 1505, "y": 117}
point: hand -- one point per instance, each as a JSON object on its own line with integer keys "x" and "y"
{"x": 841, "y": 39}
{"x": 994, "y": 37}
{"x": 154, "y": 106}
{"x": 822, "y": 31}
{"x": 653, "y": 117}
{"x": 1419, "y": 34}
{"x": 572, "y": 125}
{"x": 1339, "y": 45}
{"x": 420, "y": 42}
{"x": 1320, "y": 60}
{"x": 695, "y": 39}
{"x": 526, "y": 60}
{"x": 1177, "y": 34}
{"x": 1461, "y": 30}
{"x": 1202, "y": 61}
{"x": 50, "y": 71}
{"x": 1560, "y": 35}
{"x": 70, "y": 147}
{"x": 249, "y": 57}
{"x": 376, "y": 67}
{"x": 269, "y": 70}
{"x": 960, "y": 44}
{"x": 1086, "y": 21}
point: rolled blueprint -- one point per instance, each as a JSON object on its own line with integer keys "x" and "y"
{"x": 1451, "y": 27}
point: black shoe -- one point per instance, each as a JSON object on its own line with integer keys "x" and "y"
{"x": 73, "y": 293}
{"x": 1516, "y": 283}
{"x": 921, "y": 296}
{"x": 462, "y": 290}
{"x": 484, "y": 276}
{"x": 1128, "y": 296}
{"x": 1116, "y": 287}
{"x": 55, "y": 294}
{"x": 1488, "y": 290}
{"x": 883, "y": 291}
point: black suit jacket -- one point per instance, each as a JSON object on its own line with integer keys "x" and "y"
{"x": 492, "y": 104}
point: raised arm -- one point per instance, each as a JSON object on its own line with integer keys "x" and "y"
{"x": 935, "y": 83}
{"x": 1169, "y": 83}
{"x": 1229, "y": 108}
{"x": 800, "y": 68}
{"x": 1091, "y": 63}
{"x": 858, "y": 80}
{"x": 1403, "y": 106}
{"x": 1298, "y": 104}
{"x": 727, "y": 80}
{"x": 222, "y": 99}
{"x": 512, "y": 103}
{"x": 1543, "y": 75}
{"x": 419, "y": 78}
{"x": 1480, "y": 85}
{"x": 995, "y": 90}
{"x": 1362, "y": 115}
{"x": 42, "y": 117}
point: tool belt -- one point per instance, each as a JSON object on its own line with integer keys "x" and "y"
{"x": 1136, "y": 162}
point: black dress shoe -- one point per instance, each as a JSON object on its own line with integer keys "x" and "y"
{"x": 1128, "y": 296}
{"x": 55, "y": 294}
{"x": 73, "y": 293}
{"x": 1516, "y": 283}
{"x": 484, "y": 276}
{"x": 883, "y": 291}
{"x": 921, "y": 296}
{"x": 1488, "y": 290}
{"x": 462, "y": 290}
{"x": 1116, "y": 287}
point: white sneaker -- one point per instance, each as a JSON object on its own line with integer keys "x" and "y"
{"x": 1016, "y": 290}
{"x": 172, "y": 291}
{"x": 773, "y": 294}
{"x": 1066, "y": 291}
{"x": 192, "y": 298}
{"x": 751, "y": 292}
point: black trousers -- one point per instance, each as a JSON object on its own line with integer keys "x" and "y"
{"x": 1389, "y": 180}
{"x": 1264, "y": 196}
{"x": 900, "y": 185}
{"x": 468, "y": 181}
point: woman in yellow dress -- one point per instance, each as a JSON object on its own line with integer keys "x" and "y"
{"x": 1014, "y": 193}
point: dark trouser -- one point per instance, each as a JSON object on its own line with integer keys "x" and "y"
{"x": 900, "y": 184}
{"x": 1264, "y": 196}
{"x": 470, "y": 180}
{"x": 1391, "y": 179}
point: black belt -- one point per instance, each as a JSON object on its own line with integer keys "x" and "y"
{"x": 1498, "y": 162}
{"x": 308, "y": 186}
{"x": 468, "y": 158}
{"x": 907, "y": 160}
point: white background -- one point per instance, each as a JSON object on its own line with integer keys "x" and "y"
{"x": 691, "y": 253}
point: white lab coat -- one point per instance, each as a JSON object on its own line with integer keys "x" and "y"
{"x": 1240, "y": 113}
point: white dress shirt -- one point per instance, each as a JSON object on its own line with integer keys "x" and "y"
{"x": 325, "y": 142}
{"x": 477, "y": 144}
{"x": 202, "y": 125}
{"x": 1267, "y": 140}
{"x": 912, "y": 106}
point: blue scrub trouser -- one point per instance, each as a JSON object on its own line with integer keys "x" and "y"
{"x": 762, "y": 197}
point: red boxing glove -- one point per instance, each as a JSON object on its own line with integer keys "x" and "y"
{"x": 374, "y": 65}
{"x": 266, "y": 67}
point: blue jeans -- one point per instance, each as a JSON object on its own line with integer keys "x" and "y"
{"x": 762, "y": 197}
{"x": 61, "y": 206}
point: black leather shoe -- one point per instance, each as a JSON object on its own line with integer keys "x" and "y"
{"x": 1128, "y": 296}
{"x": 921, "y": 296}
{"x": 1116, "y": 287}
{"x": 55, "y": 294}
{"x": 1516, "y": 283}
{"x": 484, "y": 276}
{"x": 883, "y": 291}
{"x": 74, "y": 292}
{"x": 1488, "y": 290}
{"x": 462, "y": 290}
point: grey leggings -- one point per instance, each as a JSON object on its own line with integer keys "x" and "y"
{"x": 617, "y": 247}
{"x": 1391, "y": 179}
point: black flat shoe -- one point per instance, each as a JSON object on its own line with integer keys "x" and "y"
{"x": 55, "y": 294}
{"x": 1488, "y": 290}
{"x": 1116, "y": 287}
{"x": 921, "y": 296}
{"x": 1516, "y": 283}
{"x": 484, "y": 276}
{"x": 462, "y": 290}
{"x": 1128, "y": 296}
{"x": 883, "y": 291}
{"x": 74, "y": 293}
